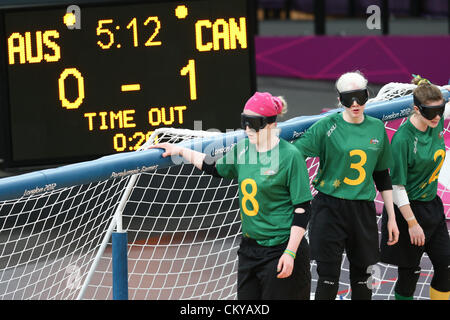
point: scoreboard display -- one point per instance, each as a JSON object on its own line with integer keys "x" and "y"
{"x": 87, "y": 80}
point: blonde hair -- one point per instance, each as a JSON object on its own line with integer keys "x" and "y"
{"x": 426, "y": 92}
{"x": 284, "y": 103}
{"x": 351, "y": 81}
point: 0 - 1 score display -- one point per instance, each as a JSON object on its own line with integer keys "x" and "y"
{"x": 101, "y": 79}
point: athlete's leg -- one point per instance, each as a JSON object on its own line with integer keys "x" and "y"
{"x": 328, "y": 282}
{"x": 440, "y": 284}
{"x": 327, "y": 232}
{"x": 361, "y": 289}
{"x": 248, "y": 286}
{"x": 295, "y": 287}
{"x": 406, "y": 283}
{"x": 438, "y": 249}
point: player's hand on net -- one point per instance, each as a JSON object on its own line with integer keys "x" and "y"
{"x": 169, "y": 149}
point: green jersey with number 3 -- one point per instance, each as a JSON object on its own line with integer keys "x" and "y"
{"x": 418, "y": 159}
{"x": 349, "y": 153}
{"x": 270, "y": 184}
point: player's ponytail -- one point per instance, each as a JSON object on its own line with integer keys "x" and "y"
{"x": 281, "y": 104}
{"x": 425, "y": 92}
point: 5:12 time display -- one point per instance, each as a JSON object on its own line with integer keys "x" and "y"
{"x": 128, "y": 70}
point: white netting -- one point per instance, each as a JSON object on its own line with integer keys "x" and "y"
{"x": 183, "y": 232}
{"x": 393, "y": 90}
{"x": 183, "y": 229}
{"x": 182, "y": 225}
{"x": 48, "y": 242}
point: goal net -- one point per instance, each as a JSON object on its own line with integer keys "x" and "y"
{"x": 183, "y": 226}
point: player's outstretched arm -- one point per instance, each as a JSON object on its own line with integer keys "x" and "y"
{"x": 194, "y": 157}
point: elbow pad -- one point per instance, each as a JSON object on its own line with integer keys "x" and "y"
{"x": 399, "y": 196}
{"x": 302, "y": 219}
{"x": 382, "y": 180}
{"x": 210, "y": 169}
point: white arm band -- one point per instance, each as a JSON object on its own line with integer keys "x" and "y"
{"x": 399, "y": 195}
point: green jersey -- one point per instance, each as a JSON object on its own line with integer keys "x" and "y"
{"x": 349, "y": 153}
{"x": 270, "y": 184}
{"x": 418, "y": 159}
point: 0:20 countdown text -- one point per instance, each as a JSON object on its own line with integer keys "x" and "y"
{"x": 132, "y": 143}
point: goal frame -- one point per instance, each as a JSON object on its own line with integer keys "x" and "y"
{"x": 133, "y": 163}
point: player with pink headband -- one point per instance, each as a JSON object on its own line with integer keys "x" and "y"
{"x": 264, "y": 104}
{"x": 274, "y": 200}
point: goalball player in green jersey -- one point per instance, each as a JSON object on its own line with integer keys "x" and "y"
{"x": 420, "y": 153}
{"x": 274, "y": 198}
{"x": 354, "y": 153}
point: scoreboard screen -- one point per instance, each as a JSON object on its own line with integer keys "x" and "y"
{"x": 87, "y": 80}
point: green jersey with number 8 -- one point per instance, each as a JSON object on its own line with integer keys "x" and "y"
{"x": 270, "y": 184}
{"x": 418, "y": 159}
{"x": 349, "y": 153}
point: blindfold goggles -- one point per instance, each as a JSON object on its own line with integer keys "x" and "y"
{"x": 348, "y": 97}
{"x": 256, "y": 122}
{"x": 429, "y": 112}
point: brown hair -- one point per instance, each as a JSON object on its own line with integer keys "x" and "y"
{"x": 425, "y": 91}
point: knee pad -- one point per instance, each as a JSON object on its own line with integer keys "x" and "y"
{"x": 328, "y": 282}
{"x": 359, "y": 274}
{"x": 406, "y": 283}
{"x": 441, "y": 278}
{"x": 361, "y": 289}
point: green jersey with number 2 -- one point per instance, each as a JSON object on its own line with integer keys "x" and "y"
{"x": 418, "y": 159}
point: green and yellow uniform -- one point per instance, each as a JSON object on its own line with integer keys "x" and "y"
{"x": 419, "y": 156}
{"x": 349, "y": 153}
{"x": 343, "y": 212}
{"x": 418, "y": 159}
{"x": 270, "y": 184}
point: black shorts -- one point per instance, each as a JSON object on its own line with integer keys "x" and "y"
{"x": 338, "y": 224}
{"x": 430, "y": 216}
{"x": 257, "y": 273}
